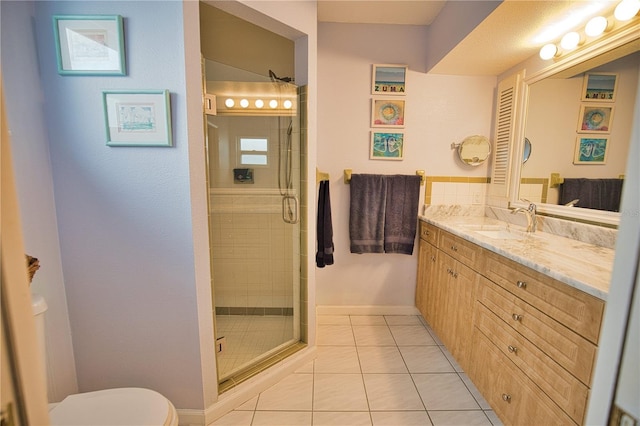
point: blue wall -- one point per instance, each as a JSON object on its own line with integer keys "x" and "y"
{"x": 123, "y": 214}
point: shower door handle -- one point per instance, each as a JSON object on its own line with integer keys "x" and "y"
{"x": 288, "y": 215}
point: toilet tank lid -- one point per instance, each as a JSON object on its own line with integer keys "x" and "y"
{"x": 38, "y": 304}
{"x": 113, "y": 407}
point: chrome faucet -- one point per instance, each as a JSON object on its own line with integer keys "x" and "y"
{"x": 530, "y": 212}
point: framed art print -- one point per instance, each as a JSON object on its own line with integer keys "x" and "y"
{"x": 89, "y": 44}
{"x": 387, "y": 113}
{"x": 600, "y": 87}
{"x": 389, "y": 80}
{"x": 591, "y": 150}
{"x": 137, "y": 118}
{"x": 595, "y": 118}
{"x": 387, "y": 146}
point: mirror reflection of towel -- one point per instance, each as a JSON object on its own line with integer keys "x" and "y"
{"x": 598, "y": 194}
{"x": 383, "y": 213}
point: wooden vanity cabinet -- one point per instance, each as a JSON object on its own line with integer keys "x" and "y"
{"x": 527, "y": 341}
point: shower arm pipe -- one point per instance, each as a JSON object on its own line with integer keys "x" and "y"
{"x": 348, "y": 172}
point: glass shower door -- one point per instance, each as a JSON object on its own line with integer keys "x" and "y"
{"x": 254, "y": 191}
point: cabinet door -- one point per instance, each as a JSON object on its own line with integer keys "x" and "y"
{"x": 426, "y": 291}
{"x": 460, "y": 298}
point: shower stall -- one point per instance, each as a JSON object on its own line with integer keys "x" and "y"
{"x": 254, "y": 179}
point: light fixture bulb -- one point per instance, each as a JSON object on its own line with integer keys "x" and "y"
{"x": 244, "y": 103}
{"x": 229, "y": 103}
{"x": 548, "y": 51}
{"x": 273, "y": 103}
{"x": 596, "y": 26}
{"x": 626, "y": 10}
{"x": 288, "y": 104}
{"x": 570, "y": 40}
{"x": 259, "y": 103}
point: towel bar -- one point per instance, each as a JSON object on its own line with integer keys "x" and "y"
{"x": 348, "y": 172}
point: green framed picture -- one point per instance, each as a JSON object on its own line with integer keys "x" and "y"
{"x": 89, "y": 44}
{"x": 137, "y": 118}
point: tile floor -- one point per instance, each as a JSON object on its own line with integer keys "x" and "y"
{"x": 371, "y": 370}
{"x": 250, "y": 337}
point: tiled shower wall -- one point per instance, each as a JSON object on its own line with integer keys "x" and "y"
{"x": 252, "y": 251}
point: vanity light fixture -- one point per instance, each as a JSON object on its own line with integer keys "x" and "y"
{"x": 548, "y": 51}
{"x": 596, "y": 26}
{"x": 244, "y": 103}
{"x": 273, "y": 103}
{"x": 229, "y": 103}
{"x": 287, "y": 104}
{"x": 570, "y": 41}
{"x": 624, "y": 11}
{"x": 259, "y": 103}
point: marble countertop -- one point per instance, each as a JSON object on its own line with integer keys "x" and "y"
{"x": 584, "y": 266}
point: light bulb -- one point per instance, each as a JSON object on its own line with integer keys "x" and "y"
{"x": 626, "y": 9}
{"x": 244, "y": 103}
{"x": 570, "y": 40}
{"x": 229, "y": 103}
{"x": 273, "y": 103}
{"x": 548, "y": 51}
{"x": 288, "y": 104}
{"x": 259, "y": 103}
{"x": 596, "y": 26}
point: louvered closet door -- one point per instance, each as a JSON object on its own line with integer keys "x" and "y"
{"x": 508, "y": 97}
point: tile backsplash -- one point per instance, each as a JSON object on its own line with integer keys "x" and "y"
{"x": 456, "y": 190}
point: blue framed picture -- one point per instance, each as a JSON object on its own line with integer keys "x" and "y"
{"x": 387, "y": 146}
{"x": 137, "y": 118}
{"x": 89, "y": 44}
{"x": 591, "y": 150}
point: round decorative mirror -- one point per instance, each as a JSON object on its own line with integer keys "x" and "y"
{"x": 527, "y": 150}
{"x": 473, "y": 150}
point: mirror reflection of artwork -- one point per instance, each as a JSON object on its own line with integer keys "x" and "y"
{"x": 595, "y": 119}
{"x": 387, "y": 146}
{"x": 591, "y": 150}
{"x": 599, "y": 87}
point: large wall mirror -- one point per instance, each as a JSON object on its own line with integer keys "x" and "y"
{"x": 582, "y": 140}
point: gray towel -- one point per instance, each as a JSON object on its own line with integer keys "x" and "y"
{"x": 366, "y": 213}
{"x": 401, "y": 213}
{"x": 599, "y": 194}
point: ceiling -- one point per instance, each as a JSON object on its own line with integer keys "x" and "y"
{"x": 512, "y": 33}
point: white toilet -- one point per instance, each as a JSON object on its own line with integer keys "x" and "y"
{"x": 111, "y": 407}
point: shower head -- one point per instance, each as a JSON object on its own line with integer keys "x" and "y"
{"x": 275, "y": 78}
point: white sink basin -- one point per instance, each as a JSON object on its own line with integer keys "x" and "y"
{"x": 500, "y": 234}
{"x": 496, "y": 232}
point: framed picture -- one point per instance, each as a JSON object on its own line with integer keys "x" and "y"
{"x": 387, "y": 113}
{"x": 600, "y": 87}
{"x": 387, "y": 146}
{"x": 137, "y": 118}
{"x": 389, "y": 80}
{"x": 591, "y": 150}
{"x": 89, "y": 44}
{"x": 595, "y": 118}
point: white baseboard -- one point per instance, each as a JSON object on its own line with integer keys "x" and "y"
{"x": 367, "y": 310}
{"x": 243, "y": 392}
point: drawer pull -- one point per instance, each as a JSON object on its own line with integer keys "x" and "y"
{"x": 506, "y": 397}
{"x": 454, "y": 248}
{"x": 516, "y": 317}
{"x": 426, "y": 233}
{"x": 454, "y": 274}
{"x": 512, "y": 349}
{"x": 521, "y": 284}
{"x": 433, "y": 258}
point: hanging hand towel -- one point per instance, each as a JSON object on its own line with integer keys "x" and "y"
{"x": 324, "y": 227}
{"x": 366, "y": 213}
{"x": 401, "y": 213}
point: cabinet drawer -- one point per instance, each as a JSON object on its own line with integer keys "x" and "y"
{"x": 570, "y": 350}
{"x": 564, "y": 389}
{"x": 514, "y": 397}
{"x": 429, "y": 233}
{"x": 577, "y": 310}
{"x": 461, "y": 249}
